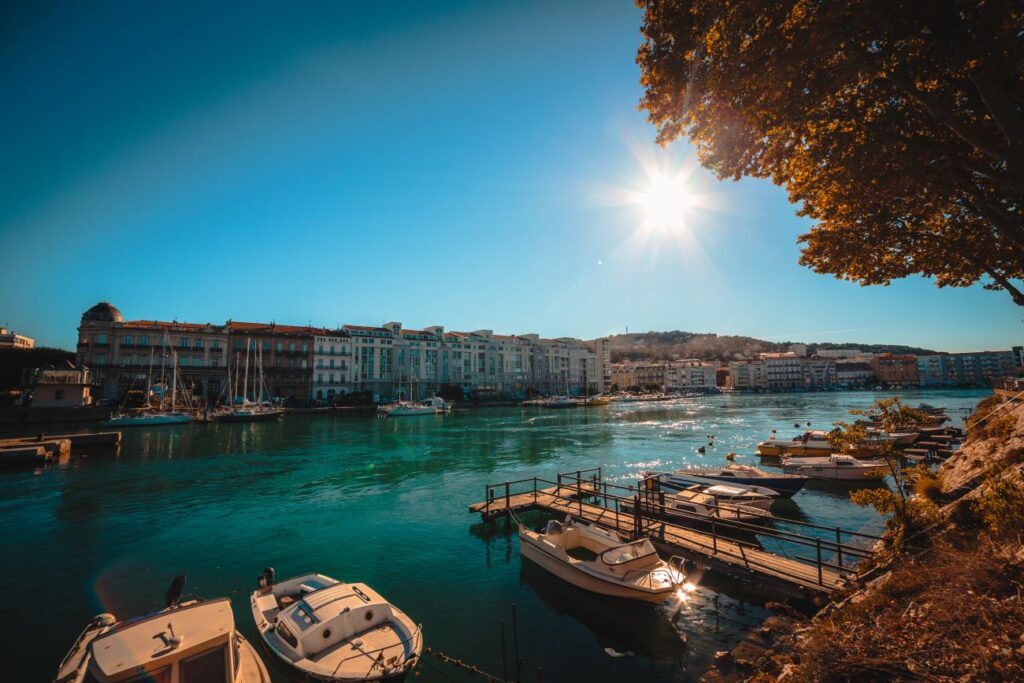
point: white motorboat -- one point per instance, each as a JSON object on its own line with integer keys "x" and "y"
{"x": 185, "y": 642}
{"x": 435, "y": 405}
{"x": 600, "y": 561}
{"x": 811, "y": 442}
{"x": 784, "y": 485}
{"x": 326, "y": 630}
{"x": 837, "y": 467}
{"x": 719, "y": 501}
{"x": 148, "y": 419}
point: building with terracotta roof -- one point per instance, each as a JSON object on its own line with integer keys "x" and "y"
{"x": 132, "y": 355}
{"x": 285, "y": 353}
{"x": 333, "y": 371}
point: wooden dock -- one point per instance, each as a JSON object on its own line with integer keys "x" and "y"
{"x": 45, "y": 448}
{"x": 582, "y": 500}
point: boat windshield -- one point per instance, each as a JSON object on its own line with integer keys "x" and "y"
{"x": 628, "y": 553}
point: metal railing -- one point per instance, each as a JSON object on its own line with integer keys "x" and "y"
{"x": 651, "y": 517}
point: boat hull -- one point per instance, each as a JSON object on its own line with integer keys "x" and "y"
{"x": 148, "y": 421}
{"x": 584, "y": 580}
{"x": 786, "y": 487}
{"x": 833, "y": 473}
{"x": 249, "y": 417}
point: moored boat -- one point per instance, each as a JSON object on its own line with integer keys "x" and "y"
{"x": 435, "y": 405}
{"x": 697, "y": 503}
{"x": 836, "y": 467}
{"x": 601, "y": 561}
{"x": 250, "y": 413}
{"x": 148, "y": 419}
{"x": 326, "y": 630}
{"x": 784, "y": 485}
{"x": 189, "y": 641}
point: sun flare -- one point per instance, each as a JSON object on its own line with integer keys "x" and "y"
{"x": 665, "y": 202}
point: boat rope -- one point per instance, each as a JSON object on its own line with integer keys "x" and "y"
{"x": 455, "y": 661}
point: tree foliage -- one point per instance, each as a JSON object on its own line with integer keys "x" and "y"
{"x": 898, "y": 126}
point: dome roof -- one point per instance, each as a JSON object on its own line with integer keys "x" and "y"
{"x": 103, "y": 312}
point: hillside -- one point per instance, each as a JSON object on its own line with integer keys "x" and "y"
{"x": 713, "y": 347}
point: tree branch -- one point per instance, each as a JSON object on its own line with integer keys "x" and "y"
{"x": 1004, "y": 112}
{"x": 940, "y": 112}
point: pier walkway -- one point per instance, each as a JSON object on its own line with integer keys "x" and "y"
{"x": 729, "y": 546}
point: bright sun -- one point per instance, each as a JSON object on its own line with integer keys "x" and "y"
{"x": 665, "y": 202}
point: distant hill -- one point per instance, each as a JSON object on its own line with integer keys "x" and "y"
{"x": 713, "y": 347}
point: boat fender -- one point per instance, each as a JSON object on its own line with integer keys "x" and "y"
{"x": 105, "y": 619}
{"x": 701, "y": 450}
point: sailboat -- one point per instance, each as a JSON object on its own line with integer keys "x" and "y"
{"x": 435, "y": 405}
{"x": 250, "y": 411}
{"x": 160, "y": 416}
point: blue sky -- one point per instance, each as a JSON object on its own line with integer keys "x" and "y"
{"x": 457, "y": 163}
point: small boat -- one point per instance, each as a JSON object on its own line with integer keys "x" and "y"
{"x": 326, "y": 630}
{"x": 601, "y": 561}
{"x": 560, "y": 402}
{"x": 784, "y": 485}
{"x": 432, "y": 406}
{"x": 811, "y": 442}
{"x": 250, "y": 413}
{"x": 148, "y": 419}
{"x": 836, "y": 467}
{"x": 597, "y": 401}
{"x": 187, "y": 641}
{"x": 698, "y": 503}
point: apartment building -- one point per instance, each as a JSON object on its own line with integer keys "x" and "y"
{"x": 12, "y": 340}
{"x": 131, "y": 355}
{"x": 818, "y": 373}
{"x": 689, "y": 375}
{"x": 748, "y": 375}
{"x": 891, "y": 369}
{"x": 332, "y": 365}
{"x": 284, "y": 353}
{"x": 852, "y": 373}
{"x": 983, "y": 368}
{"x": 783, "y": 371}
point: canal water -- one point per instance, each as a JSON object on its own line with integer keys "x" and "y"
{"x": 385, "y": 502}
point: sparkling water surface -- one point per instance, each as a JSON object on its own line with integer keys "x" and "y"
{"x": 385, "y": 502}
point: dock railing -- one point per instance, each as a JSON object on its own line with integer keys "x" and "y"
{"x": 649, "y": 516}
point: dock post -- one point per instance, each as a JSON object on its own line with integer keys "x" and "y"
{"x": 508, "y": 501}
{"x": 579, "y": 485}
{"x": 839, "y": 548}
{"x": 504, "y": 663}
{"x": 535, "y": 490}
{"x": 714, "y": 536}
{"x": 515, "y": 644}
{"x": 818, "y": 543}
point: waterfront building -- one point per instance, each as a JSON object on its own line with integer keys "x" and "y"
{"x": 650, "y": 375}
{"x": 783, "y": 371}
{"x": 893, "y": 369}
{"x": 798, "y": 349}
{"x": 332, "y": 365}
{"x": 818, "y": 373}
{"x": 842, "y": 353}
{"x": 854, "y": 374}
{"x": 57, "y": 386}
{"x": 12, "y": 340}
{"x": 131, "y": 355}
{"x": 689, "y": 374}
{"x": 748, "y": 375}
{"x": 982, "y": 368}
{"x": 623, "y": 376}
{"x": 285, "y": 353}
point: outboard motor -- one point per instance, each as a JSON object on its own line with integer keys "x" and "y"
{"x": 553, "y": 528}
{"x": 266, "y": 579}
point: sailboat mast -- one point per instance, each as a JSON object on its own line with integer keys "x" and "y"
{"x": 245, "y": 379}
{"x": 149, "y": 377}
{"x": 174, "y": 380}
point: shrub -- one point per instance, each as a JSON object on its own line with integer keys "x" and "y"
{"x": 1001, "y": 502}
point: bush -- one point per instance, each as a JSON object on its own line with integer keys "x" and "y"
{"x": 1001, "y": 502}
{"x": 909, "y": 517}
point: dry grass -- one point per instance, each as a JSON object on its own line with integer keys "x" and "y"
{"x": 952, "y": 613}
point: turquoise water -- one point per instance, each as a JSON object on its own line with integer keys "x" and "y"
{"x": 384, "y": 501}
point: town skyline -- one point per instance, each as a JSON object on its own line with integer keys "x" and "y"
{"x": 280, "y": 174}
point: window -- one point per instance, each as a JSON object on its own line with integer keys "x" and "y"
{"x": 208, "y": 667}
{"x": 305, "y": 347}
{"x": 184, "y": 342}
{"x": 198, "y": 343}
{"x": 280, "y": 346}
{"x": 286, "y": 635}
{"x": 320, "y": 349}
{"x": 320, "y": 379}
{"x": 183, "y": 362}
{"x": 216, "y": 344}
{"x": 319, "y": 362}
{"x": 143, "y": 341}
{"x": 238, "y": 345}
{"x": 303, "y": 363}
{"x": 331, "y": 364}
{"x": 160, "y": 676}
{"x": 291, "y": 348}
{"x": 330, "y": 378}
{"x": 127, "y": 340}
{"x": 101, "y": 339}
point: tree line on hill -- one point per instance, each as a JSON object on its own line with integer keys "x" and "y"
{"x": 713, "y": 347}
